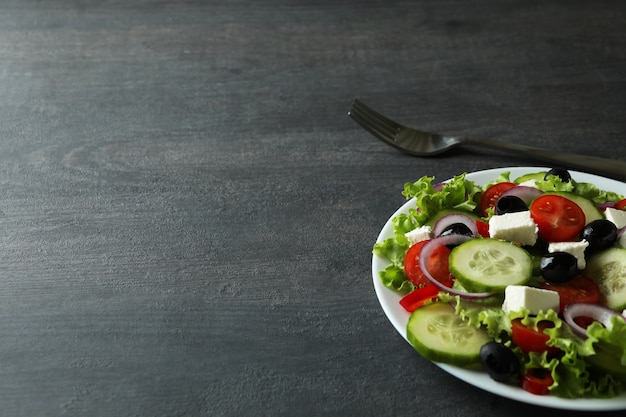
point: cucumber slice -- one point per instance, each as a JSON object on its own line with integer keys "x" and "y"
{"x": 439, "y": 335}
{"x": 490, "y": 265}
{"x": 537, "y": 176}
{"x": 591, "y": 210}
{"x": 608, "y": 269}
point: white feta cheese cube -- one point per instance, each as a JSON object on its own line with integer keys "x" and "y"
{"x": 518, "y": 228}
{"x": 618, "y": 217}
{"x": 533, "y": 299}
{"x": 573, "y": 248}
{"x": 419, "y": 234}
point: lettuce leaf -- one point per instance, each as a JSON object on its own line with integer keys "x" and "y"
{"x": 554, "y": 184}
{"x": 457, "y": 194}
{"x": 612, "y": 338}
{"x": 392, "y": 250}
{"x": 593, "y": 193}
{"x": 394, "y": 278}
{"x": 393, "y": 275}
{"x": 583, "y": 189}
{"x": 487, "y": 313}
{"x": 503, "y": 177}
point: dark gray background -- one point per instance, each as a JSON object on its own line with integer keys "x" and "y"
{"x": 187, "y": 213}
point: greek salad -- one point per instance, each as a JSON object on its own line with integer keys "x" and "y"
{"x": 523, "y": 277}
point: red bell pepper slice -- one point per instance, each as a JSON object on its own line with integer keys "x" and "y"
{"x": 417, "y": 298}
{"x": 537, "y": 381}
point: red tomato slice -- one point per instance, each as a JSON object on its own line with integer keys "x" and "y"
{"x": 537, "y": 381}
{"x": 531, "y": 340}
{"x": 437, "y": 265}
{"x": 558, "y": 218}
{"x": 490, "y": 195}
{"x": 415, "y": 299}
{"x": 583, "y": 321}
{"x": 412, "y": 265}
{"x": 483, "y": 228}
{"x": 621, "y": 205}
{"x": 581, "y": 289}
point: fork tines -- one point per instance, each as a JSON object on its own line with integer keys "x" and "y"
{"x": 374, "y": 122}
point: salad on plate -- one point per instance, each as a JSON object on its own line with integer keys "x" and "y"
{"x": 521, "y": 278}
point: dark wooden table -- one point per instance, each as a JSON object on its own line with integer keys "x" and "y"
{"x": 187, "y": 212}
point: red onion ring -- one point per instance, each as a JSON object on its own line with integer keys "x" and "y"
{"x": 450, "y": 219}
{"x": 604, "y": 206}
{"x": 427, "y": 251}
{"x": 524, "y": 193}
{"x": 594, "y": 311}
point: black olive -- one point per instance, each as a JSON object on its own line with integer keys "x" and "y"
{"x": 499, "y": 361}
{"x": 456, "y": 229}
{"x": 558, "y": 267}
{"x": 510, "y": 204}
{"x": 600, "y": 234}
{"x": 562, "y": 173}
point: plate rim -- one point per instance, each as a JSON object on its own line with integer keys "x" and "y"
{"x": 388, "y": 299}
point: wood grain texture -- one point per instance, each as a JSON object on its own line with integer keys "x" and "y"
{"x": 187, "y": 213}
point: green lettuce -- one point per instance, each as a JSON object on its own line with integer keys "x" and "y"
{"x": 611, "y": 338}
{"x": 583, "y": 189}
{"x": 393, "y": 275}
{"x": 456, "y": 194}
{"x": 503, "y": 177}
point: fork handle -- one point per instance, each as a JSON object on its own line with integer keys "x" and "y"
{"x": 607, "y": 167}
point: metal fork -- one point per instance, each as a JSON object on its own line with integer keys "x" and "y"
{"x": 420, "y": 143}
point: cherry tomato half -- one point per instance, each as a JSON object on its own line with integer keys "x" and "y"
{"x": 583, "y": 321}
{"x": 558, "y": 219}
{"x": 491, "y": 195}
{"x": 417, "y": 298}
{"x": 531, "y": 340}
{"x": 581, "y": 289}
{"x": 483, "y": 228}
{"x": 437, "y": 265}
{"x": 537, "y": 381}
{"x": 412, "y": 265}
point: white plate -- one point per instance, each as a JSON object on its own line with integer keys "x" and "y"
{"x": 398, "y": 316}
